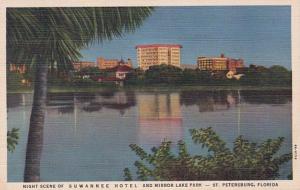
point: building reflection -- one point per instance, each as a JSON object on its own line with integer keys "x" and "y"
{"x": 159, "y": 118}
{"x": 209, "y": 101}
{"x": 77, "y": 104}
{"x": 267, "y": 96}
{"x": 121, "y": 101}
{"x": 162, "y": 104}
{"x": 91, "y": 102}
{"x": 218, "y": 100}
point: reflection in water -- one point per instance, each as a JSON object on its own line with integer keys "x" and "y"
{"x": 66, "y": 109}
{"x": 16, "y": 100}
{"x": 239, "y": 113}
{"x": 159, "y": 118}
{"x": 92, "y": 131}
{"x": 121, "y": 101}
{"x": 267, "y": 96}
{"x": 91, "y": 102}
{"x": 209, "y": 101}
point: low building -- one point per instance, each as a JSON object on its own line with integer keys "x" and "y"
{"x": 221, "y": 63}
{"x": 83, "y": 64}
{"x": 122, "y": 70}
{"x": 111, "y": 63}
{"x": 235, "y": 64}
{"x": 117, "y": 74}
{"x": 18, "y": 68}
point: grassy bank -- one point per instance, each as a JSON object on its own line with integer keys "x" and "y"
{"x": 58, "y": 89}
{"x": 205, "y": 88}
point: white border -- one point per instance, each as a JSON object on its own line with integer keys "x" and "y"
{"x": 295, "y": 7}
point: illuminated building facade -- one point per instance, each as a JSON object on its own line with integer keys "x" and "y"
{"x": 83, "y": 64}
{"x": 157, "y": 54}
{"x": 111, "y": 63}
{"x": 19, "y": 68}
{"x": 219, "y": 63}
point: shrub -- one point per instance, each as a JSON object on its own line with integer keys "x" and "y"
{"x": 12, "y": 139}
{"x": 247, "y": 161}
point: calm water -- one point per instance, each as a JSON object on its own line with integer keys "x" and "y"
{"x": 86, "y": 135}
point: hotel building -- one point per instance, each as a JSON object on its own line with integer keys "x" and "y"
{"x": 221, "y": 63}
{"x": 111, "y": 63}
{"x": 157, "y": 54}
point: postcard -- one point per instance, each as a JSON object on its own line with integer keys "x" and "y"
{"x": 152, "y": 95}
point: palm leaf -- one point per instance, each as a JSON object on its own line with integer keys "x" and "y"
{"x": 58, "y": 34}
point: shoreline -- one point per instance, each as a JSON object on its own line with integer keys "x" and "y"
{"x": 151, "y": 88}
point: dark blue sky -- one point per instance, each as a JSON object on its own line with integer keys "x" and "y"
{"x": 258, "y": 34}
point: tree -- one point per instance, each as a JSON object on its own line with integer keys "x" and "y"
{"x": 167, "y": 74}
{"x": 14, "y": 80}
{"x": 246, "y": 161}
{"x": 260, "y": 75}
{"x": 280, "y": 75}
{"x": 136, "y": 77}
{"x": 12, "y": 139}
{"x": 196, "y": 76}
{"x": 52, "y": 38}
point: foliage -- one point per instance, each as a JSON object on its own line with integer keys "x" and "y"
{"x": 127, "y": 175}
{"x": 14, "y": 80}
{"x": 247, "y": 161}
{"x": 275, "y": 75}
{"x": 136, "y": 77}
{"x": 167, "y": 74}
{"x": 29, "y": 75}
{"x": 12, "y": 139}
{"x": 195, "y": 76}
{"x": 54, "y": 36}
{"x": 163, "y": 74}
{"x": 51, "y": 38}
{"x": 280, "y": 75}
{"x": 84, "y": 83}
{"x": 92, "y": 71}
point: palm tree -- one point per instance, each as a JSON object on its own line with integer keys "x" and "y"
{"x": 52, "y": 38}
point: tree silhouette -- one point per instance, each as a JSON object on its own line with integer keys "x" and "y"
{"x": 46, "y": 38}
{"x": 247, "y": 161}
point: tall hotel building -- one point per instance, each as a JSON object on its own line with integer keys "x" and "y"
{"x": 157, "y": 54}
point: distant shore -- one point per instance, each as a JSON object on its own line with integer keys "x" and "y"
{"x": 63, "y": 89}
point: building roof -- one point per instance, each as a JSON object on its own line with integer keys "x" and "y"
{"x": 119, "y": 68}
{"x": 158, "y": 45}
{"x": 222, "y": 56}
{"x": 123, "y": 68}
{"x": 216, "y": 58}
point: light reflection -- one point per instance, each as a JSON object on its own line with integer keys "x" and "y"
{"x": 159, "y": 118}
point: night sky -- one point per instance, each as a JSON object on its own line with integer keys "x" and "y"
{"x": 259, "y": 34}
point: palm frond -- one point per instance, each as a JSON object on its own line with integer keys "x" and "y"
{"x": 58, "y": 34}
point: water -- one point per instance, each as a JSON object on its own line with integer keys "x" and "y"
{"x": 86, "y": 135}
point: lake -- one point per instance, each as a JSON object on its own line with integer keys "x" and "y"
{"x": 87, "y": 135}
